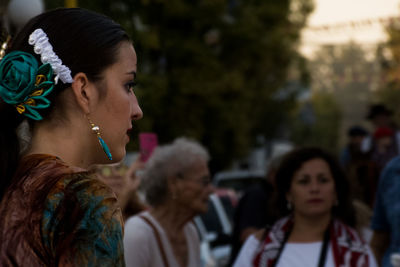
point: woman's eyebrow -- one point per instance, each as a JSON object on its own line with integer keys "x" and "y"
{"x": 132, "y": 73}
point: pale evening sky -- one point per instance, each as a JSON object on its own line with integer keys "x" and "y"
{"x": 333, "y": 12}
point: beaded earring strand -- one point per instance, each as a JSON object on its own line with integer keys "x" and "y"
{"x": 96, "y": 130}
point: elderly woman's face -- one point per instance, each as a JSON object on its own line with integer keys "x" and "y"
{"x": 312, "y": 191}
{"x": 195, "y": 187}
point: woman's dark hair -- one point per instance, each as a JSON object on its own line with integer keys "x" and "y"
{"x": 293, "y": 161}
{"x": 85, "y": 41}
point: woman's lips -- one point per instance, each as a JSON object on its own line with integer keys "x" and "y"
{"x": 128, "y": 133}
{"x": 315, "y": 200}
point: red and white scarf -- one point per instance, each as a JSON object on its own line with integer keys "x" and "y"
{"x": 347, "y": 247}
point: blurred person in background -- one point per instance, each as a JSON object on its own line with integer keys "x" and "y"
{"x": 361, "y": 171}
{"x": 386, "y": 217}
{"x": 176, "y": 182}
{"x": 255, "y": 210}
{"x": 352, "y": 151}
{"x": 380, "y": 116}
{"x": 384, "y": 147}
{"x": 313, "y": 198}
{"x": 125, "y": 182}
{"x": 384, "y": 143}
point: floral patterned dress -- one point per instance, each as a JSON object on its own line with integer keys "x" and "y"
{"x": 56, "y": 215}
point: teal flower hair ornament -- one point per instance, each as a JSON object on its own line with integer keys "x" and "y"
{"x": 24, "y": 84}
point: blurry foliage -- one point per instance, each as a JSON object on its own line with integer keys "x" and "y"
{"x": 343, "y": 78}
{"x": 211, "y": 69}
{"x": 316, "y": 122}
{"x": 389, "y": 56}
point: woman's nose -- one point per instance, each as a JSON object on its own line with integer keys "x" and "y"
{"x": 137, "y": 112}
{"x": 314, "y": 187}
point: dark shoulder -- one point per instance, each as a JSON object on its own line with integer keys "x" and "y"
{"x": 393, "y": 166}
{"x": 390, "y": 173}
{"x": 258, "y": 191}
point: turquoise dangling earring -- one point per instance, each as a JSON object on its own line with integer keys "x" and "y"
{"x": 96, "y": 130}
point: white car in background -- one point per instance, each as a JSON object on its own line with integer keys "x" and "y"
{"x": 238, "y": 180}
{"x": 214, "y": 229}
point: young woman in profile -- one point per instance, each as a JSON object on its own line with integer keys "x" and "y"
{"x": 67, "y": 79}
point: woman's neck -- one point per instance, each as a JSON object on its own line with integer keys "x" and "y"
{"x": 309, "y": 229}
{"x": 67, "y": 144}
{"x": 171, "y": 217}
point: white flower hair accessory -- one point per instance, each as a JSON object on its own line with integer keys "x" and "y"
{"x": 42, "y": 47}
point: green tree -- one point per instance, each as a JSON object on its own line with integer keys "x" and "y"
{"x": 388, "y": 54}
{"x": 316, "y": 122}
{"x": 347, "y": 75}
{"x": 211, "y": 69}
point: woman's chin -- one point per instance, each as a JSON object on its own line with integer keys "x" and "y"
{"x": 316, "y": 212}
{"x": 118, "y": 156}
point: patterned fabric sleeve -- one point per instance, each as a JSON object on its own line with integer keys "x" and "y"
{"x": 82, "y": 224}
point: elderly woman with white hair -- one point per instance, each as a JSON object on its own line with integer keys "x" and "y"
{"x": 176, "y": 182}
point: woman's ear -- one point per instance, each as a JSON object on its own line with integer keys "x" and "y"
{"x": 84, "y": 91}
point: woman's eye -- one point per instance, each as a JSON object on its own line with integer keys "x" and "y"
{"x": 130, "y": 85}
{"x": 324, "y": 180}
{"x": 302, "y": 181}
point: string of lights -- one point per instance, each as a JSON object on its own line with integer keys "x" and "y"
{"x": 334, "y": 34}
{"x": 371, "y": 22}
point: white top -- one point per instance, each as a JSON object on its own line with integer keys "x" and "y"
{"x": 141, "y": 248}
{"x": 304, "y": 254}
{"x": 246, "y": 254}
{"x": 293, "y": 254}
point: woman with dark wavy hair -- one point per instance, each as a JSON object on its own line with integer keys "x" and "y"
{"x": 316, "y": 222}
{"x": 66, "y": 103}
